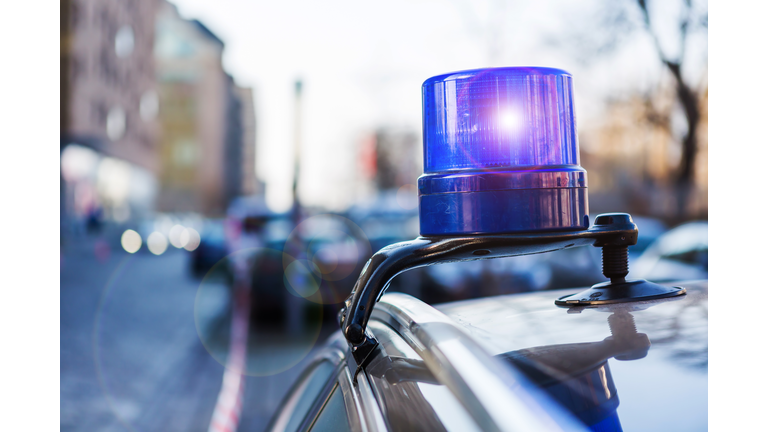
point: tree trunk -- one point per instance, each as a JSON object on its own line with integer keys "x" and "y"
{"x": 690, "y": 103}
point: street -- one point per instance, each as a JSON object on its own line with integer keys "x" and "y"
{"x": 131, "y": 355}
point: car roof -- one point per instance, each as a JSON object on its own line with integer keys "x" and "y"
{"x": 534, "y": 335}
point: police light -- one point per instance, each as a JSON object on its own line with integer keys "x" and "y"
{"x": 501, "y": 179}
{"x": 501, "y": 153}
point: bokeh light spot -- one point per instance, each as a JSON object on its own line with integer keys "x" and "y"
{"x": 157, "y": 243}
{"x": 174, "y": 236}
{"x": 194, "y": 240}
{"x": 131, "y": 241}
{"x": 184, "y": 237}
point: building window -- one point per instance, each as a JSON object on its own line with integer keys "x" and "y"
{"x": 124, "y": 41}
{"x": 148, "y": 106}
{"x": 185, "y": 153}
{"x": 116, "y": 123}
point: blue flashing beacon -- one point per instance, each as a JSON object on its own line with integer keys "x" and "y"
{"x": 501, "y": 153}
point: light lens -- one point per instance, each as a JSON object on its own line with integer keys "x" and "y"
{"x": 504, "y": 117}
{"x": 501, "y": 153}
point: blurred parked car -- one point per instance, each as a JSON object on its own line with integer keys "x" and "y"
{"x": 384, "y": 221}
{"x": 649, "y": 230}
{"x": 212, "y": 248}
{"x": 319, "y": 259}
{"x": 679, "y": 254}
{"x": 269, "y": 297}
{"x": 244, "y": 225}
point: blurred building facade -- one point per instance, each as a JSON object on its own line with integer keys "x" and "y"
{"x": 108, "y": 108}
{"x": 240, "y": 148}
{"x": 207, "y": 124}
{"x": 150, "y": 121}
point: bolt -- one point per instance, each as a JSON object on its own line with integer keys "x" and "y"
{"x": 615, "y": 263}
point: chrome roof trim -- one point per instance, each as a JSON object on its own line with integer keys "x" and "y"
{"x": 374, "y": 419}
{"x": 482, "y": 383}
{"x": 351, "y": 402}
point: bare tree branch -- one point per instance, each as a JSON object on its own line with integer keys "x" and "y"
{"x": 687, "y": 96}
{"x": 617, "y": 21}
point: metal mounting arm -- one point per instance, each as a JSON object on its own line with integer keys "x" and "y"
{"x": 610, "y": 231}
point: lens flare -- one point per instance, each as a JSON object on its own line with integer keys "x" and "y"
{"x": 301, "y": 278}
{"x": 157, "y": 243}
{"x": 284, "y": 327}
{"x": 131, "y": 241}
{"x": 326, "y": 260}
{"x": 335, "y": 247}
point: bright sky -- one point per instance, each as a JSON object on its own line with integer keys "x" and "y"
{"x": 363, "y": 63}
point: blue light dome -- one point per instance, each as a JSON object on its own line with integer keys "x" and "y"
{"x": 501, "y": 153}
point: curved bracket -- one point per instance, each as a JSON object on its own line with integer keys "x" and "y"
{"x": 394, "y": 259}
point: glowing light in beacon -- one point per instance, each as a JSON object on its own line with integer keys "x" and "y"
{"x": 509, "y": 120}
{"x": 157, "y": 243}
{"x": 194, "y": 239}
{"x": 500, "y": 150}
{"x": 131, "y": 241}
